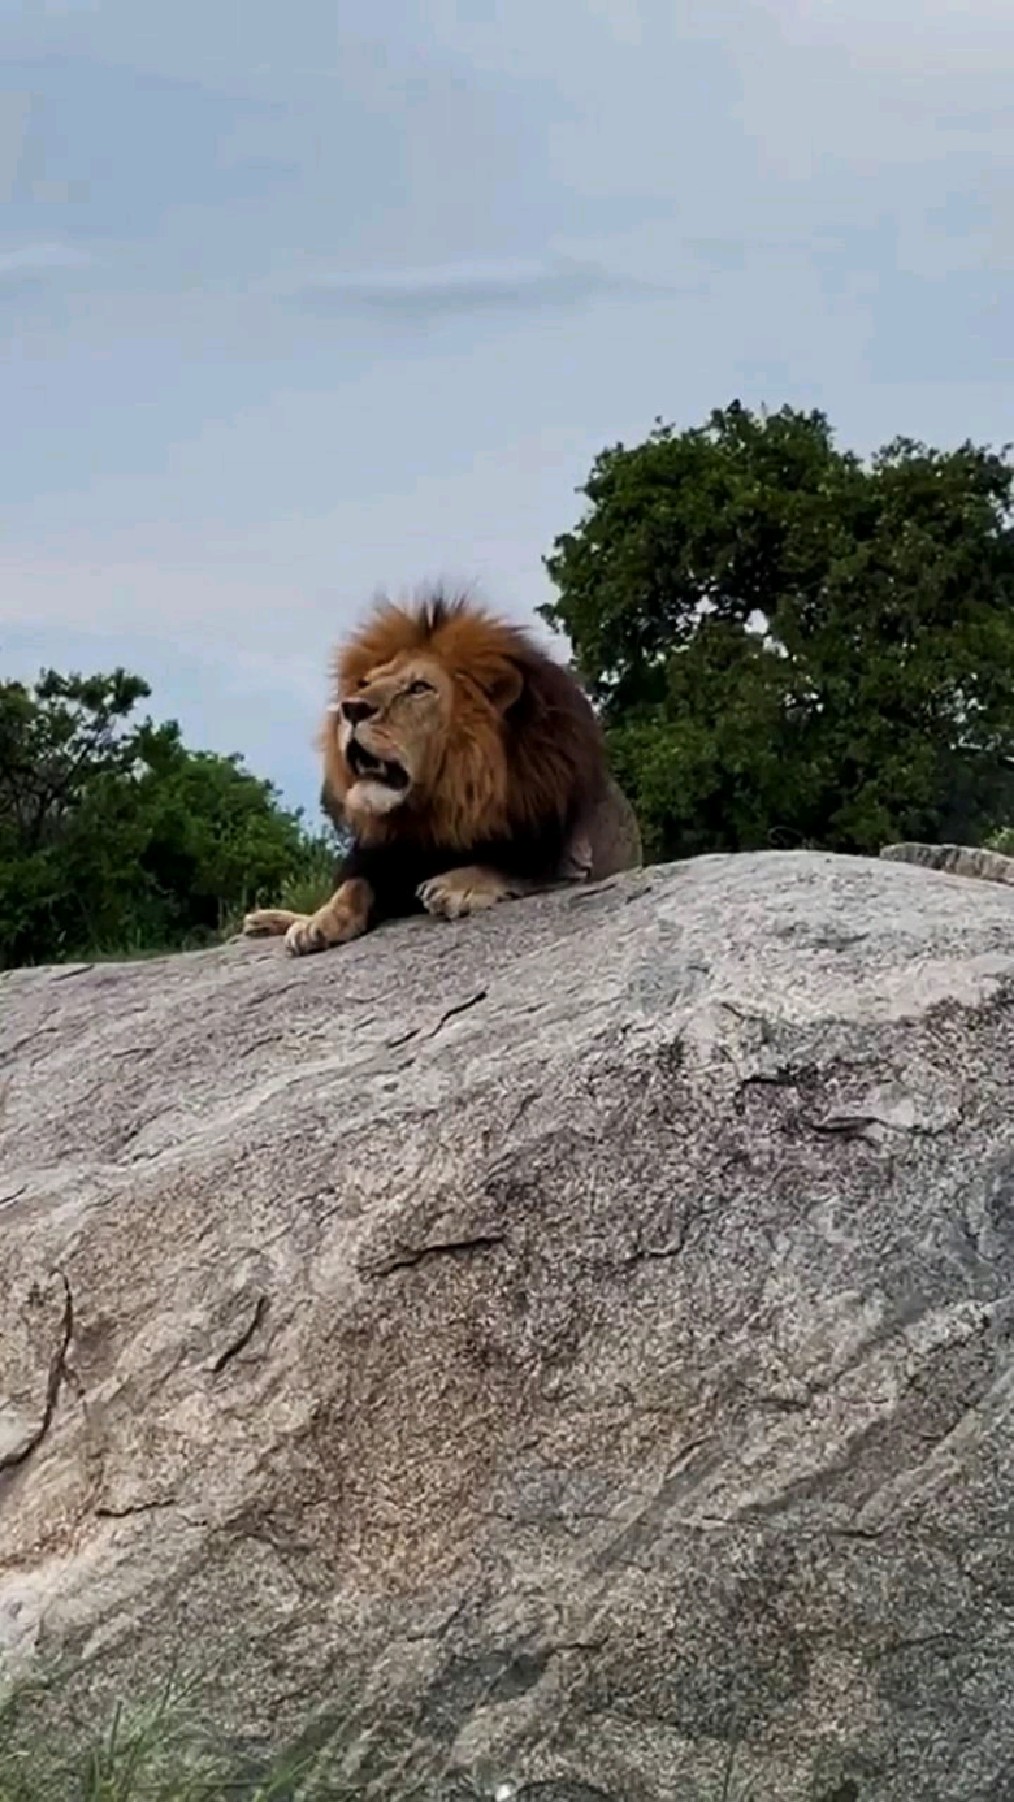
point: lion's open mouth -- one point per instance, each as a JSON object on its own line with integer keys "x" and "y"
{"x": 363, "y": 764}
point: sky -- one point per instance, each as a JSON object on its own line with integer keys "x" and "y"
{"x": 301, "y": 303}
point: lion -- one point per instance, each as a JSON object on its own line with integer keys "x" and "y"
{"x": 468, "y": 768}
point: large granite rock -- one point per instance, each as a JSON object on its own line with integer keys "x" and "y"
{"x": 569, "y": 1349}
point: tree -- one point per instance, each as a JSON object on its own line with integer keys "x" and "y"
{"x": 791, "y": 646}
{"x": 55, "y": 741}
{"x": 115, "y": 836}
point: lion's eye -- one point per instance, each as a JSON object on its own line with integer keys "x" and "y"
{"x": 419, "y": 687}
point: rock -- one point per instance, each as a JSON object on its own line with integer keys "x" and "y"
{"x": 957, "y": 860}
{"x": 565, "y": 1354}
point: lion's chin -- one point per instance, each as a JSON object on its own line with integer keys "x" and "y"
{"x": 366, "y": 796}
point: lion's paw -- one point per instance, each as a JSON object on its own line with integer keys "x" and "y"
{"x": 305, "y": 936}
{"x": 461, "y": 892}
{"x": 269, "y": 922}
{"x": 344, "y": 917}
{"x": 578, "y": 860}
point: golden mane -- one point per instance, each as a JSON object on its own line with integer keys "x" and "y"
{"x": 524, "y": 748}
{"x": 469, "y": 769}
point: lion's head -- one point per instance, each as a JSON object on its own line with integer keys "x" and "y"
{"x": 453, "y": 727}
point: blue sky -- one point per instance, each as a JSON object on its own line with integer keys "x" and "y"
{"x": 301, "y": 302}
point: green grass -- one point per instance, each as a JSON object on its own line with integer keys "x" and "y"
{"x": 306, "y": 895}
{"x": 145, "y": 1754}
{"x": 163, "y": 1752}
{"x": 302, "y": 895}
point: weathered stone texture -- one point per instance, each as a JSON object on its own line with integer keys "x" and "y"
{"x": 574, "y": 1344}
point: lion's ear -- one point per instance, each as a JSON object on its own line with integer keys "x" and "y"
{"x": 502, "y": 683}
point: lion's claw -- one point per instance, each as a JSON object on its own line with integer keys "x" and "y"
{"x": 461, "y": 892}
{"x": 304, "y": 937}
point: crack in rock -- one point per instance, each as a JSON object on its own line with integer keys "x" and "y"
{"x": 412, "y": 1256}
{"x": 235, "y": 1346}
{"x": 54, "y": 1383}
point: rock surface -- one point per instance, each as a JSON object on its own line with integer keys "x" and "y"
{"x": 957, "y": 860}
{"x": 570, "y": 1348}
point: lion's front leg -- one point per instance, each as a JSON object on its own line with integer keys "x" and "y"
{"x": 346, "y": 916}
{"x": 469, "y": 890}
{"x": 269, "y": 922}
{"x": 578, "y": 859}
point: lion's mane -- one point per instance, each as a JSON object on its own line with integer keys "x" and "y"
{"x": 518, "y": 775}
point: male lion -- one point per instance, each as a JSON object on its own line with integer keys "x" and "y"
{"x": 468, "y": 768}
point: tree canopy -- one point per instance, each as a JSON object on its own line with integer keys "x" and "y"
{"x": 790, "y": 645}
{"x": 114, "y": 836}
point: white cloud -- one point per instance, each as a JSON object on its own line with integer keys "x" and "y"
{"x": 952, "y": 35}
{"x": 155, "y": 601}
{"x": 902, "y": 98}
{"x": 624, "y": 19}
{"x": 15, "y": 112}
{"x": 36, "y": 259}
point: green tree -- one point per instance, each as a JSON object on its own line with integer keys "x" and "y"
{"x": 791, "y": 646}
{"x": 115, "y": 836}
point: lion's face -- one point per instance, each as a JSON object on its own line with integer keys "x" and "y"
{"x": 447, "y": 727}
{"x": 392, "y": 731}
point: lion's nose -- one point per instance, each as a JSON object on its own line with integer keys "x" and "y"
{"x": 357, "y": 711}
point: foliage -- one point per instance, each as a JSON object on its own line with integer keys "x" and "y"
{"x": 152, "y": 1751}
{"x": 114, "y": 836}
{"x": 164, "y": 1750}
{"x": 790, "y": 646}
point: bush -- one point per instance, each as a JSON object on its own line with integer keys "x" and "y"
{"x": 116, "y": 838}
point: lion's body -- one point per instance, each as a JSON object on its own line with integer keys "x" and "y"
{"x": 468, "y": 768}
